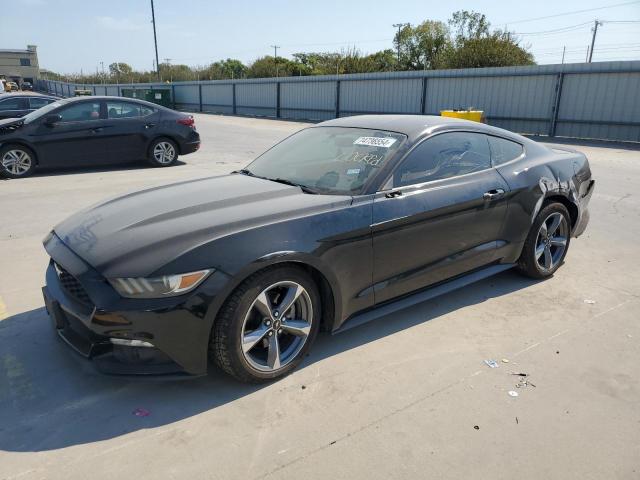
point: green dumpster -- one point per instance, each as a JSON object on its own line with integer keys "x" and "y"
{"x": 161, "y": 96}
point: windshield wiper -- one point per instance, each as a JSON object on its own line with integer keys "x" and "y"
{"x": 304, "y": 188}
{"x": 244, "y": 171}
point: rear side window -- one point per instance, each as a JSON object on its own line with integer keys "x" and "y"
{"x": 127, "y": 110}
{"x": 36, "y": 102}
{"x": 503, "y": 150}
{"x": 444, "y": 156}
{"x": 80, "y": 112}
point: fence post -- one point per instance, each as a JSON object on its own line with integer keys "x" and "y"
{"x": 277, "y": 99}
{"x": 556, "y": 106}
{"x": 423, "y": 96}
{"x": 233, "y": 98}
{"x": 200, "y": 95}
{"x": 337, "y": 113}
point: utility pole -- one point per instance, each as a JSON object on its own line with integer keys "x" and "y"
{"x": 102, "y": 67}
{"x": 155, "y": 38}
{"x": 593, "y": 39}
{"x": 564, "y": 49}
{"x": 168, "y": 62}
{"x": 275, "y": 56}
{"x": 400, "y": 26}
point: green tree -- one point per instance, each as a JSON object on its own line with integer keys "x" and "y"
{"x": 499, "y": 49}
{"x": 423, "y": 46}
{"x": 468, "y": 25}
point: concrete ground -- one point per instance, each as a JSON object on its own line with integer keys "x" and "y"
{"x": 407, "y": 396}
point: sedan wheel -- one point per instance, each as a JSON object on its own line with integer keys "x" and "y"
{"x": 267, "y": 324}
{"x": 164, "y": 153}
{"x": 277, "y": 326}
{"x": 16, "y": 162}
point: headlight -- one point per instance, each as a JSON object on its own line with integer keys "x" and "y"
{"x": 156, "y": 287}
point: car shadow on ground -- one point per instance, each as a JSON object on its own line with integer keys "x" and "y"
{"x": 50, "y": 398}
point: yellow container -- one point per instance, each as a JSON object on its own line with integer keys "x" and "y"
{"x": 473, "y": 115}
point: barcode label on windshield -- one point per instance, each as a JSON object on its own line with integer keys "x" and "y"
{"x": 375, "y": 141}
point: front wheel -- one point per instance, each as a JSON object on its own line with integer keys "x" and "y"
{"x": 16, "y": 161}
{"x": 163, "y": 152}
{"x": 547, "y": 242}
{"x": 267, "y": 325}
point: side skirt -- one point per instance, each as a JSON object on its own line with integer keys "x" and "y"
{"x": 422, "y": 296}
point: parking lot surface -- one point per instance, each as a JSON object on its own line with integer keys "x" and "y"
{"x": 407, "y": 396}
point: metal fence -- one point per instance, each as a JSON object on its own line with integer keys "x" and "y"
{"x": 584, "y": 100}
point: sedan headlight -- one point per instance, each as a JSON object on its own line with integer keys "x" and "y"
{"x": 157, "y": 287}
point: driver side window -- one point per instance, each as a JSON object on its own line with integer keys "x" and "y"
{"x": 444, "y": 156}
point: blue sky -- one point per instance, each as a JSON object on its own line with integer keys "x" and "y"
{"x": 75, "y": 35}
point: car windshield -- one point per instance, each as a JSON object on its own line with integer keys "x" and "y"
{"x": 331, "y": 160}
{"x": 41, "y": 112}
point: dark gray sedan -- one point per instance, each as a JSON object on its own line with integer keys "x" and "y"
{"x": 338, "y": 224}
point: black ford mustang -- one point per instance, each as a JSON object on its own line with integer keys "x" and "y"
{"x": 338, "y": 224}
{"x": 94, "y": 131}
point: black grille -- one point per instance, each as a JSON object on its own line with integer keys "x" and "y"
{"x": 71, "y": 285}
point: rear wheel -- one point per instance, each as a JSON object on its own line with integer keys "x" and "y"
{"x": 267, "y": 325}
{"x": 163, "y": 152}
{"x": 547, "y": 243}
{"x": 16, "y": 161}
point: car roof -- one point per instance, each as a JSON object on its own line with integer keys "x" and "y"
{"x": 89, "y": 98}
{"x": 415, "y": 126}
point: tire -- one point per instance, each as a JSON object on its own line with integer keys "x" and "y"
{"x": 544, "y": 250}
{"x": 163, "y": 152}
{"x": 17, "y": 161}
{"x": 241, "y": 344}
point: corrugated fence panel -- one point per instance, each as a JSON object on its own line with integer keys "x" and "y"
{"x": 256, "y": 99}
{"x": 380, "y": 96}
{"x": 308, "y": 100}
{"x": 217, "y": 98}
{"x": 597, "y": 100}
{"x": 519, "y": 103}
{"x": 594, "y": 105}
{"x": 186, "y": 96}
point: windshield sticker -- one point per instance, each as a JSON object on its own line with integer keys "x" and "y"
{"x": 375, "y": 141}
{"x": 353, "y": 171}
{"x": 362, "y": 157}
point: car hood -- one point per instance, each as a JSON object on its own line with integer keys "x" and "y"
{"x": 136, "y": 234}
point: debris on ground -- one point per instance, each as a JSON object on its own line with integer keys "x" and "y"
{"x": 141, "y": 412}
{"x": 491, "y": 363}
{"x": 303, "y": 387}
{"x": 520, "y": 374}
{"x": 517, "y": 420}
{"x": 589, "y": 302}
{"x": 524, "y": 380}
{"x": 476, "y": 427}
{"x": 513, "y": 393}
{"x": 505, "y": 360}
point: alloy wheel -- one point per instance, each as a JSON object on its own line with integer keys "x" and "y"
{"x": 164, "y": 153}
{"x": 551, "y": 241}
{"x": 277, "y": 326}
{"x": 16, "y": 162}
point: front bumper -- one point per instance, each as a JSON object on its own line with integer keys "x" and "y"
{"x": 89, "y": 315}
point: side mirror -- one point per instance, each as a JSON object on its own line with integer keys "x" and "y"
{"x": 50, "y": 120}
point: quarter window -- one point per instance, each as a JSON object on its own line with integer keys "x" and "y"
{"x": 127, "y": 110}
{"x": 444, "y": 156}
{"x": 81, "y": 112}
{"x": 503, "y": 150}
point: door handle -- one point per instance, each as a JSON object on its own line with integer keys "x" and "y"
{"x": 393, "y": 194}
{"x": 493, "y": 194}
{"x": 97, "y": 130}
{"x": 150, "y": 125}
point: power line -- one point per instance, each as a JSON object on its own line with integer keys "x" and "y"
{"x": 569, "y": 13}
